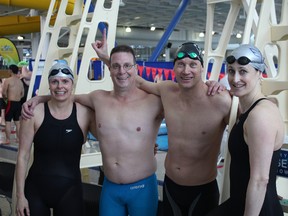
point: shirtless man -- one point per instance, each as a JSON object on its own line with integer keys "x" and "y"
{"x": 127, "y": 126}
{"x": 25, "y": 78}
{"x": 13, "y": 91}
{"x": 195, "y": 123}
{"x": 2, "y": 104}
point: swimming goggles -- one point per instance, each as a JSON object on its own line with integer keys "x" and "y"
{"x": 63, "y": 72}
{"x": 191, "y": 55}
{"x": 243, "y": 60}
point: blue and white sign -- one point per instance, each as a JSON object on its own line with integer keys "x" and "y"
{"x": 283, "y": 163}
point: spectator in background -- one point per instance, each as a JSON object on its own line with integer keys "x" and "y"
{"x": 13, "y": 91}
{"x": 25, "y": 77}
{"x": 2, "y": 104}
{"x": 158, "y": 78}
{"x": 1, "y": 61}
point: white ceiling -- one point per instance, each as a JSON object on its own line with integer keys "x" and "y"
{"x": 140, "y": 15}
{"x": 160, "y": 12}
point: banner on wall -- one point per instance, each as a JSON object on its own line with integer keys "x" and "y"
{"x": 8, "y": 53}
{"x": 283, "y": 163}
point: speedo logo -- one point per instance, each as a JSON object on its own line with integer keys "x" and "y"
{"x": 137, "y": 187}
{"x": 68, "y": 130}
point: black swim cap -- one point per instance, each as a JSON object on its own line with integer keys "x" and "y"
{"x": 189, "y": 49}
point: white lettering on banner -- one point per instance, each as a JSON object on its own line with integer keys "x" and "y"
{"x": 283, "y": 164}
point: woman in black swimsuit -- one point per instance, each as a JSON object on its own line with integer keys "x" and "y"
{"x": 254, "y": 142}
{"x": 58, "y": 129}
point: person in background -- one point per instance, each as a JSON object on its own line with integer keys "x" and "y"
{"x": 2, "y": 104}
{"x": 158, "y": 78}
{"x": 58, "y": 130}
{"x": 254, "y": 142}
{"x": 195, "y": 123}
{"x": 1, "y": 61}
{"x": 25, "y": 77}
{"x": 127, "y": 121}
{"x": 13, "y": 91}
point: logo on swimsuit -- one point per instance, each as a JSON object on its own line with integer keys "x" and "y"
{"x": 68, "y": 130}
{"x": 137, "y": 187}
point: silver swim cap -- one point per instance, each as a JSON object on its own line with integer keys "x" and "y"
{"x": 61, "y": 70}
{"x": 247, "y": 54}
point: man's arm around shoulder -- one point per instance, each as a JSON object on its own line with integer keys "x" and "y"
{"x": 5, "y": 89}
{"x": 225, "y": 103}
{"x": 88, "y": 99}
{"x": 150, "y": 87}
{"x": 29, "y": 106}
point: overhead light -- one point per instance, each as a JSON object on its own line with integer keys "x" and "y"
{"x": 20, "y": 37}
{"x": 152, "y": 28}
{"x": 128, "y": 29}
{"x": 238, "y": 35}
{"x": 201, "y": 34}
{"x": 121, "y": 4}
